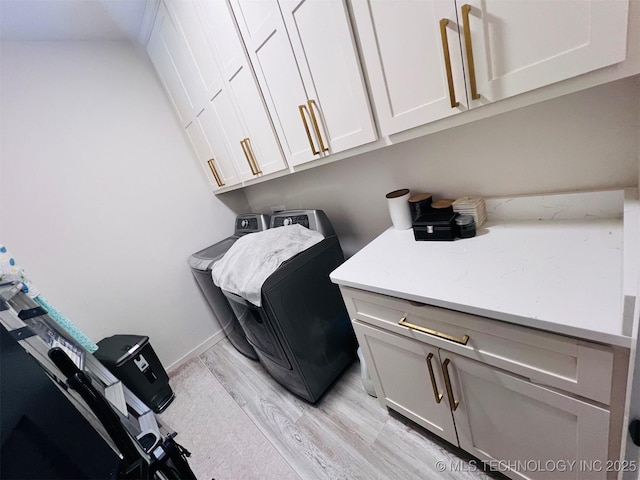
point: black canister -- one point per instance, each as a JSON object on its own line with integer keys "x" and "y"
{"x": 466, "y": 226}
{"x": 419, "y": 204}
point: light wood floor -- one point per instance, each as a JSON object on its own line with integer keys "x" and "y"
{"x": 240, "y": 424}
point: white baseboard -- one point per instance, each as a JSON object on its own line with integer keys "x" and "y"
{"x": 200, "y": 349}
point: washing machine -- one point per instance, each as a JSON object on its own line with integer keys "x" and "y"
{"x": 301, "y": 332}
{"x": 201, "y": 263}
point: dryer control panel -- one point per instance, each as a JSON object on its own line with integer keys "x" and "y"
{"x": 251, "y": 223}
{"x": 312, "y": 219}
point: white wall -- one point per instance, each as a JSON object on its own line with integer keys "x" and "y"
{"x": 102, "y": 198}
{"x": 585, "y": 140}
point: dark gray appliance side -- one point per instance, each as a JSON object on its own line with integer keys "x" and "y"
{"x": 312, "y": 320}
{"x": 302, "y": 333}
{"x": 223, "y": 312}
{"x": 201, "y": 263}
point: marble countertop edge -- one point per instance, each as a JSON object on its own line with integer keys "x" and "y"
{"x": 387, "y": 265}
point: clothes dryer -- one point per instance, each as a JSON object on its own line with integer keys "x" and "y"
{"x": 301, "y": 332}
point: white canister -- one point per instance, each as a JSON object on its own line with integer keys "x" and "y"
{"x": 398, "y": 202}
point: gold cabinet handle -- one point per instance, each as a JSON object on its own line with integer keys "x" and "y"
{"x": 413, "y": 326}
{"x": 437, "y": 395}
{"x": 252, "y": 158}
{"x": 301, "y": 109}
{"x": 248, "y": 154}
{"x": 216, "y": 176}
{"x": 447, "y": 383}
{"x": 466, "y": 8}
{"x": 311, "y": 104}
{"x": 447, "y": 62}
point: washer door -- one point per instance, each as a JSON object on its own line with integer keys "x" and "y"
{"x": 258, "y": 329}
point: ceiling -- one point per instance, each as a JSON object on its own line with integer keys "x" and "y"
{"x": 54, "y": 20}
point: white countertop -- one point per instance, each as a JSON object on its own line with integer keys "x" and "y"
{"x": 561, "y": 275}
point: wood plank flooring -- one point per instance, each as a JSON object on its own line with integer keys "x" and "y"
{"x": 239, "y": 423}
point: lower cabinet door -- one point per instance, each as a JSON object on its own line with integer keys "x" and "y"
{"x": 522, "y": 429}
{"x": 408, "y": 378}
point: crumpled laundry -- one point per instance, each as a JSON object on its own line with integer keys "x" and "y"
{"x": 252, "y": 258}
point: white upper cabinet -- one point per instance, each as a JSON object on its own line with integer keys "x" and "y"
{"x": 307, "y": 65}
{"x": 522, "y": 45}
{"x": 218, "y": 166}
{"x": 275, "y": 84}
{"x": 230, "y": 87}
{"x": 181, "y": 80}
{"x": 431, "y": 59}
{"x": 268, "y": 45}
{"x": 174, "y": 67}
{"x": 320, "y": 34}
{"x": 412, "y": 54}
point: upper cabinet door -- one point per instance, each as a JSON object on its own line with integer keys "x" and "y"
{"x": 518, "y": 46}
{"x": 189, "y": 23}
{"x": 210, "y": 148}
{"x": 175, "y": 68}
{"x": 230, "y": 88}
{"x": 267, "y": 42}
{"x": 430, "y": 59}
{"x": 260, "y": 141}
{"x": 412, "y": 54}
{"x": 321, "y": 37}
{"x": 309, "y": 74}
{"x": 180, "y": 76}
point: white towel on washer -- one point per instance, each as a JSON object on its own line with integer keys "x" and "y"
{"x": 252, "y": 258}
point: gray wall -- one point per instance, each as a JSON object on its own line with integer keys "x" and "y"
{"x": 586, "y": 140}
{"x": 102, "y": 197}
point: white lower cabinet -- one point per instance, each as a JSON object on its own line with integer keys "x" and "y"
{"x": 524, "y": 430}
{"x": 410, "y": 378}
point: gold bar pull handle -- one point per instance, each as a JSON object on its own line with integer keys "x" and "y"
{"x": 437, "y": 395}
{"x": 447, "y": 62}
{"x": 246, "y": 155}
{"x": 446, "y": 336}
{"x": 252, "y": 158}
{"x": 311, "y": 104}
{"x": 301, "y": 109}
{"x": 466, "y": 8}
{"x": 216, "y": 176}
{"x": 447, "y": 383}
